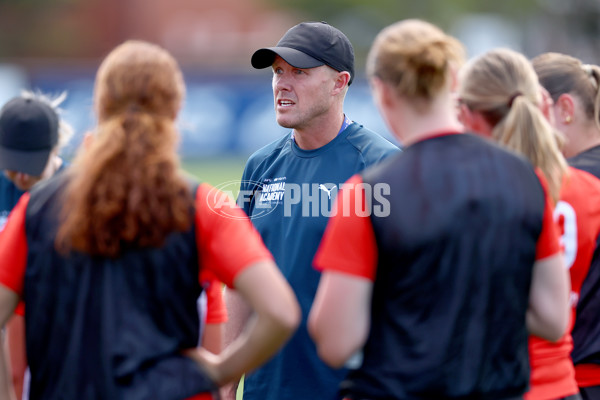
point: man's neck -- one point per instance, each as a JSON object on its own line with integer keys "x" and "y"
{"x": 320, "y": 134}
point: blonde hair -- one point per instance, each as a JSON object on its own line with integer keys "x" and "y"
{"x": 560, "y": 73}
{"x": 502, "y": 86}
{"x": 414, "y": 56}
{"x": 124, "y": 191}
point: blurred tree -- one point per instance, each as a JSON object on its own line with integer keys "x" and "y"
{"x": 361, "y": 20}
{"x": 387, "y": 11}
{"x": 571, "y": 27}
{"x": 574, "y": 28}
{"x": 58, "y": 28}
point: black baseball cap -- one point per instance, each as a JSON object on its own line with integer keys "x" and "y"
{"x": 310, "y": 45}
{"x": 28, "y": 133}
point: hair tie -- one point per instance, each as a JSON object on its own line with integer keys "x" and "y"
{"x": 512, "y": 98}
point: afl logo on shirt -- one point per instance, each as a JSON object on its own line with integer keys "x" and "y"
{"x": 220, "y": 198}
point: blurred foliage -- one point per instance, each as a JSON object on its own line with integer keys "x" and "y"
{"x": 361, "y": 20}
{"x": 569, "y": 26}
{"x": 88, "y": 28}
{"x": 384, "y": 12}
{"x": 39, "y": 27}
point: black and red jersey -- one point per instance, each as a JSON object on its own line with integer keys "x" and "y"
{"x": 451, "y": 263}
{"x": 586, "y": 331}
{"x": 116, "y": 328}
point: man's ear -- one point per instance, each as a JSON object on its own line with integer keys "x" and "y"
{"x": 341, "y": 81}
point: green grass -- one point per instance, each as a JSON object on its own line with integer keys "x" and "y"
{"x": 217, "y": 171}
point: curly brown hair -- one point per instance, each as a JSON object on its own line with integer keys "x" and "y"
{"x": 124, "y": 190}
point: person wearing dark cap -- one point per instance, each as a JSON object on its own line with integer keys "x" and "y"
{"x": 288, "y": 187}
{"x": 31, "y": 135}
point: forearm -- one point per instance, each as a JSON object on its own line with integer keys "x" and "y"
{"x": 258, "y": 343}
{"x": 212, "y": 338}
{"x": 15, "y": 349}
{"x": 338, "y": 322}
{"x": 8, "y": 302}
{"x": 6, "y": 388}
{"x": 238, "y": 314}
{"x": 276, "y": 316}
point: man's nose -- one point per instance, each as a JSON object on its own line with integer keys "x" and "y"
{"x": 282, "y": 81}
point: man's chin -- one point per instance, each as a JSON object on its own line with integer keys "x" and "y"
{"x": 285, "y": 123}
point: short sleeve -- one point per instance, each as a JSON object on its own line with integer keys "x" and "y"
{"x": 13, "y": 248}
{"x": 348, "y": 244}
{"x": 548, "y": 242}
{"x": 226, "y": 239}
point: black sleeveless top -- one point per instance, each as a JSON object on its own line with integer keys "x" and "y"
{"x": 586, "y": 331}
{"x": 455, "y": 260}
{"x": 100, "y": 328}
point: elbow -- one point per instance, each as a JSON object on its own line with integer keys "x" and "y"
{"x": 331, "y": 348}
{"x": 558, "y": 329}
{"x": 288, "y": 316}
{"x": 552, "y": 327}
{"x": 332, "y": 355}
{"x": 292, "y": 319}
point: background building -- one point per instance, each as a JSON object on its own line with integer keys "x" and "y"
{"x": 56, "y": 45}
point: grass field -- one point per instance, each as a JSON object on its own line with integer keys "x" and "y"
{"x": 216, "y": 170}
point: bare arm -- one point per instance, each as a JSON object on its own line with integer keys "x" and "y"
{"x": 238, "y": 314}
{"x": 212, "y": 338}
{"x": 339, "y": 319}
{"x": 15, "y": 348}
{"x": 8, "y": 303}
{"x": 211, "y": 306}
{"x": 548, "y": 313}
{"x": 276, "y": 317}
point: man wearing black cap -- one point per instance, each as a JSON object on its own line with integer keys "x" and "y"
{"x": 31, "y": 133}
{"x": 289, "y": 185}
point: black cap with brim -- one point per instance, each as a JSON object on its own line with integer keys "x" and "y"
{"x": 28, "y": 133}
{"x": 264, "y": 58}
{"x": 28, "y": 162}
{"x": 310, "y": 45}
